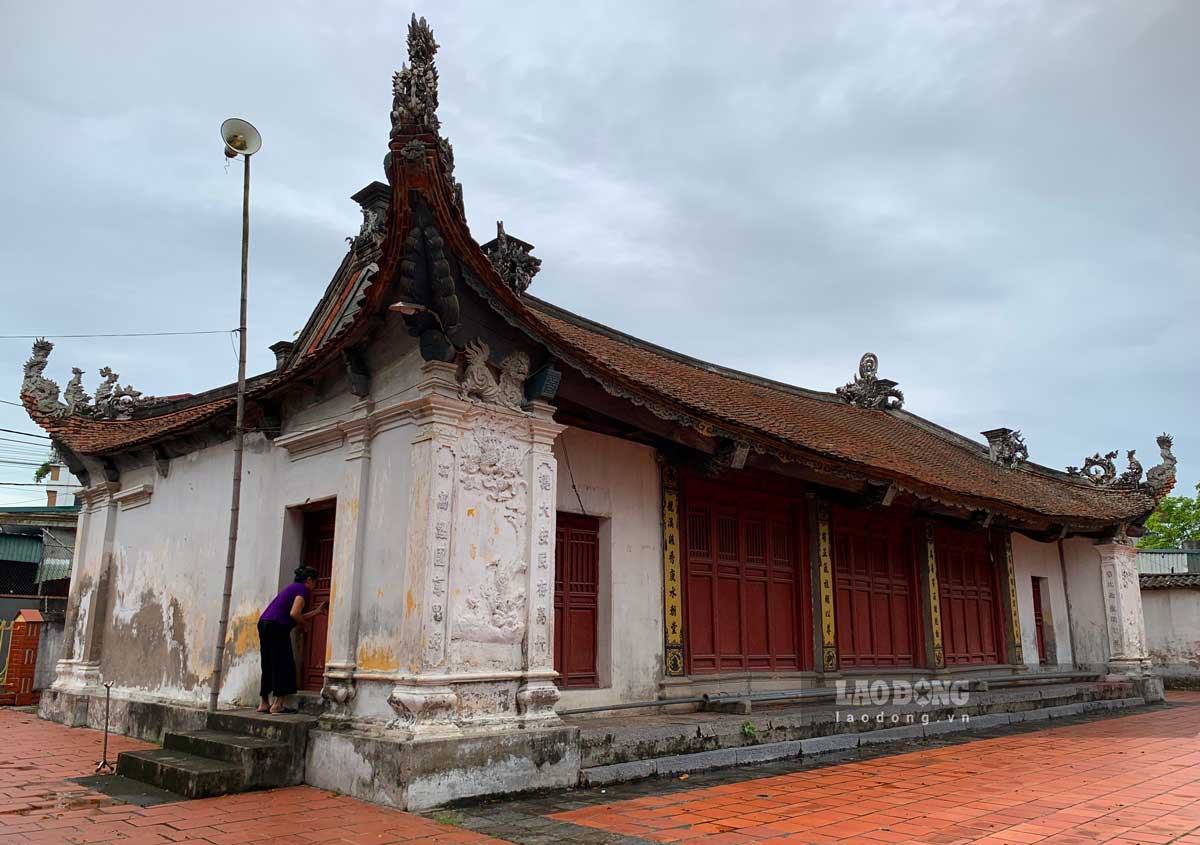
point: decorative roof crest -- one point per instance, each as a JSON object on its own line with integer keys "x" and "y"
{"x": 415, "y": 102}
{"x": 868, "y": 391}
{"x": 512, "y": 259}
{"x": 415, "y": 86}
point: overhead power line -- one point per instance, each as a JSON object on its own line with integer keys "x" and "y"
{"x": 24, "y": 434}
{"x": 114, "y": 334}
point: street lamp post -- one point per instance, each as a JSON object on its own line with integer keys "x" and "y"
{"x": 240, "y": 139}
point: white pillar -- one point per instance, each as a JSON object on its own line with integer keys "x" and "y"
{"x": 476, "y": 635}
{"x": 1123, "y": 609}
{"x": 88, "y": 604}
{"x": 538, "y": 694}
{"x": 349, "y": 537}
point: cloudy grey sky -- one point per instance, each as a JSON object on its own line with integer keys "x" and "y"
{"x": 1000, "y": 199}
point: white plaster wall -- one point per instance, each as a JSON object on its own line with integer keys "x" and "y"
{"x": 1033, "y": 559}
{"x": 1173, "y": 631}
{"x": 1088, "y": 617}
{"x": 169, "y": 562}
{"x": 169, "y": 553}
{"x": 618, "y": 481}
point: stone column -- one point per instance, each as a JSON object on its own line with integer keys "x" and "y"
{"x": 349, "y": 538}
{"x": 931, "y": 601}
{"x": 538, "y": 694}
{"x": 94, "y": 574}
{"x": 1123, "y": 609}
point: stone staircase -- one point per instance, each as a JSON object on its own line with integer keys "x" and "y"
{"x": 236, "y": 751}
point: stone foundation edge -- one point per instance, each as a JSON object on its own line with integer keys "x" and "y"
{"x": 422, "y": 773}
{"x": 145, "y": 720}
{"x": 768, "y": 752}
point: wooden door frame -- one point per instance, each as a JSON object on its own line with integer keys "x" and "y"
{"x": 797, "y": 508}
{"x": 910, "y": 538}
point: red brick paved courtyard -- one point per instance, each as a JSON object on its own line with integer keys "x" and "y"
{"x": 1127, "y": 780}
{"x": 1133, "y": 779}
{"x": 39, "y": 804}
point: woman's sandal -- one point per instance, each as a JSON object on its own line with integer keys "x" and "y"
{"x": 284, "y": 711}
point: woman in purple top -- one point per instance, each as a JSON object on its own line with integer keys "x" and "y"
{"x": 284, "y": 613}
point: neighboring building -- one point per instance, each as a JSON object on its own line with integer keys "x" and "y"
{"x": 515, "y": 510}
{"x": 36, "y": 548}
{"x": 37, "y": 545}
{"x": 1170, "y": 582}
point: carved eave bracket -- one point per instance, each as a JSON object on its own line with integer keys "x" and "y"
{"x": 869, "y": 391}
{"x": 479, "y": 384}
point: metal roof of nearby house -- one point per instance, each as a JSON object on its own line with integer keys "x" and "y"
{"x": 18, "y": 548}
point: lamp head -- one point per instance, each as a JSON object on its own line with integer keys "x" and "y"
{"x": 240, "y": 137}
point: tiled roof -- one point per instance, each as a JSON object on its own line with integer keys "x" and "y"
{"x": 1166, "y": 582}
{"x": 890, "y": 444}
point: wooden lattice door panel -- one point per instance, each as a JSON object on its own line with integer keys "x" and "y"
{"x": 576, "y": 600}
{"x": 317, "y": 552}
{"x": 741, "y": 554}
{"x": 875, "y": 589}
{"x": 967, "y": 586}
{"x": 1039, "y": 620}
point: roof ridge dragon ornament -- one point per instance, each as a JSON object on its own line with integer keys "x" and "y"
{"x": 1101, "y": 470}
{"x": 869, "y": 391}
{"x": 113, "y": 402}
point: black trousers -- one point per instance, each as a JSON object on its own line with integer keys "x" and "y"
{"x": 278, "y": 663}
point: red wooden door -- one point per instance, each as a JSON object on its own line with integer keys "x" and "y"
{"x": 743, "y": 598}
{"x": 1039, "y": 620}
{"x": 970, "y": 619}
{"x": 874, "y": 577}
{"x": 576, "y": 590}
{"x": 317, "y": 552}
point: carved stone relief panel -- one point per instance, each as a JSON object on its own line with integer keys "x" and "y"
{"x": 490, "y": 566}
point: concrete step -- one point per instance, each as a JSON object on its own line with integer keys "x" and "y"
{"x": 185, "y": 774}
{"x": 290, "y": 730}
{"x": 867, "y": 735}
{"x": 264, "y": 762}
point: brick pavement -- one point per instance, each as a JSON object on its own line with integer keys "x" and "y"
{"x": 38, "y": 804}
{"x": 1131, "y": 780}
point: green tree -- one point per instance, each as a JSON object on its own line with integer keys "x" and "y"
{"x": 1176, "y": 519}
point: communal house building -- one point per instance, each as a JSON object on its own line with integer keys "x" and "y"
{"x": 517, "y": 511}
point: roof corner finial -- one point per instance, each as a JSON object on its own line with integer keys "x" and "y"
{"x": 1161, "y": 478}
{"x": 512, "y": 259}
